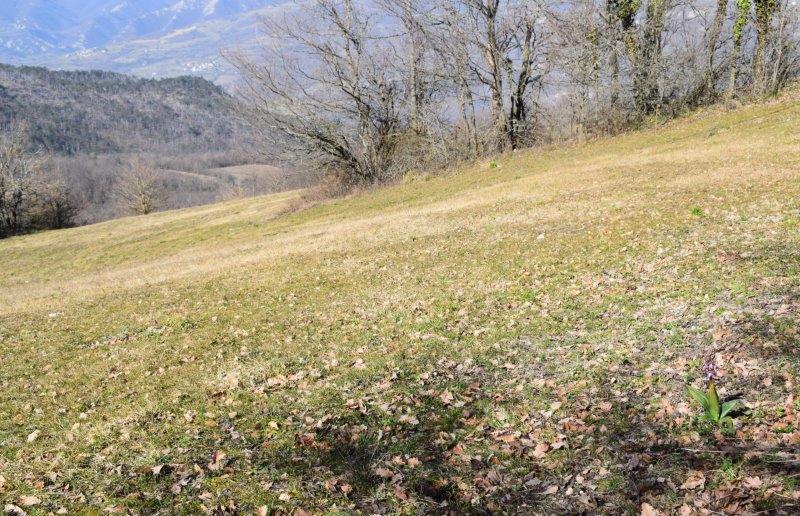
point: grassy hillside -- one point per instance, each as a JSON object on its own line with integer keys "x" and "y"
{"x": 514, "y": 337}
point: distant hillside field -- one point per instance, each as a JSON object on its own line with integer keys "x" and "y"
{"x": 103, "y": 112}
{"x": 515, "y": 337}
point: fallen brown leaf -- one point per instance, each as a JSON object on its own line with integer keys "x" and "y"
{"x": 29, "y": 501}
{"x": 753, "y": 482}
{"x": 446, "y": 397}
{"x": 384, "y": 473}
{"x": 217, "y": 460}
{"x": 541, "y": 450}
{"x": 695, "y": 480}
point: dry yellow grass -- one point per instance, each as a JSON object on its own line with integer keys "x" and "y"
{"x": 258, "y": 357}
{"x": 677, "y": 160}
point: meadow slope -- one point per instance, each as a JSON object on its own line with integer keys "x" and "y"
{"x": 515, "y": 337}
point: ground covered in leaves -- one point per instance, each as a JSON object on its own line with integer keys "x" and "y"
{"x": 505, "y": 339}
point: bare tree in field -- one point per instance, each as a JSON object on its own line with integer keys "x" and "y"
{"x": 328, "y": 91}
{"x": 585, "y": 52}
{"x": 506, "y": 55}
{"x": 139, "y": 189}
{"x": 59, "y": 202}
{"x": 21, "y": 177}
{"x": 712, "y": 38}
{"x": 648, "y": 58}
{"x": 741, "y": 19}
{"x": 764, "y": 13}
{"x": 413, "y": 18}
{"x": 452, "y": 48}
{"x": 782, "y": 54}
{"x": 642, "y": 26}
{"x": 620, "y": 18}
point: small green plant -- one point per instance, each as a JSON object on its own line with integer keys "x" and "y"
{"x": 697, "y": 211}
{"x": 715, "y": 411}
{"x": 611, "y": 484}
{"x": 729, "y": 470}
{"x": 493, "y": 164}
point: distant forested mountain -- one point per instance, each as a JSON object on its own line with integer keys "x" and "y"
{"x": 148, "y": 38}
{"x": 93, "y": 128}
{"x": 102, "y": 112}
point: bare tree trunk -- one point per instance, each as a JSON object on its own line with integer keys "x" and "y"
{"x": 647, "y": 91}
{"x": 468, "y": 112}
{"x": 764, "y": 13}
{"x": 517, "y": 113}
{"x": 712, "y": 39}
{"x": 494, "y": 59}
{"x": 785, "y": 46}
{"x": 742, "y": 16}
{"x": 418, "y": 94}
{"x": 505, "y": 39}
{"x": 616, "y": 85}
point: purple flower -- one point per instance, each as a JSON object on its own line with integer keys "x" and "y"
{"x": 710, "y": 369}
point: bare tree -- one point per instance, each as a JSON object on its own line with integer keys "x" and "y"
{"x": 765, "y": 11}
{"x": 585, "y": 53}
{"x": 505, "y": 50}
{"x": 712, "y": 36}
{"x": 451, "y": 43}
{"x": 742, "y": 17}
{"x": 413, "y": 17}
{"x": 21, "y": 176}
{"x": 621, "y": 23}
{"x": 59, "y": 202}
{"x": 783, "y": 50}
{"x": 328, "y": 92}
{"x": 647, "y": 58}
{"x": 138, "y": 188}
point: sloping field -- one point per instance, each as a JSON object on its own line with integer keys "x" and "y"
{"x": 243, "y": 173}
{"x": 255, "y": 178}
{"x": 510, "y": 339}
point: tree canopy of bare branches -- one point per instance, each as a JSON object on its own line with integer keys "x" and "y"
{"x": 329, "y": 90}
{"x": 139, "y": 188}
{"x": 345, "y": 85}
{"x": 32, "y": 196}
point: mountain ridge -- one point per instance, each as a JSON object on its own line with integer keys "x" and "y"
{"x": 129, "y": 37}
{"x": 71, "y": 112}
